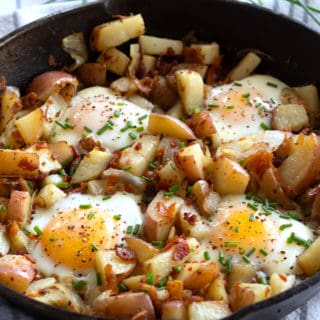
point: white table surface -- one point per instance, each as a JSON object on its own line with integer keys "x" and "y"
{"x": 12, "y": 17}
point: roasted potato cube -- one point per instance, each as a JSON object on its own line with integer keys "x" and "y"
{"x": 191, "y": 90}
{"x": 243, "y": 294}
{"x": 217, "y": 289}
{"x": 309, "y": 260}
{"x": 4, "y": 241}
{"x": 48, "y": 195}
{"x": 147, "y": 64}
{"x": 169, "y": 126}
{"x": 124, "y": 86}
{"x": 61, "y": 151}
{"x": 135, "y": 159}
{"x": 170, "y": 174}
{"x": 310, "y": 95}
{"x": 208, "y": 310}
{"x": 117, "y": 32}
{"x": 19, "y": 242}
{"x": 160, "y": 216}
{"x": 290, "y": 117}
{"x": 134, "y": 302}
{"x": 91, "y": 166}
{"x": 10, "y": 101}
{"x": 241, "y": 273}
{"x": 281, "y": 282}
{"x": 245, "y": 67}
{"x": 141, "y": 248}
{"x": 174, "y": 310}
{"x": 208, "y": 52}
{"x": 230, "y": 177}
{"x": 92, "y": 74}
{"x": 202, "y": 124}
{"x": 19, "y": 207}
{"x": 160, "y": 46}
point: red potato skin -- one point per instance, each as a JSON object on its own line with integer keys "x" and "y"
{"x": 17, "y": 206}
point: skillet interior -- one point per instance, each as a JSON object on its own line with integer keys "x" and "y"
{"x": 294, "y": 52}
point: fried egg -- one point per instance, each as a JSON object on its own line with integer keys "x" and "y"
{"x": 74, "y": 228}
{"x": 256, "y": 234}
{"x": 244, "y": 107}
{"x": 99, "y": 113}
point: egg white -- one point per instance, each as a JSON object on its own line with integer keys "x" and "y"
{"x": 91, "y": 109}
{"x": 244, "y": 107}
{"x": 120, "y": 205}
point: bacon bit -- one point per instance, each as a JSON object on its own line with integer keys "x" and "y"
{"x": 175, "y": 288}
{"x": 138, "y": 146}
{"x": 12, "y": 228}
{"x": 41, "y": 145}
{"x": 17, "y": 106}
{"x": 115, "y": 159}
{"x": 259, "y": 162}
{"x": 180, "y": 250}
{"x": 119, "y": 16}
{"x": 190, "y": 299}
{"x": 193, "y": 55}
{"x": 283, "y": 277}
{"x": 125, "y": 254}
{"x": 2, "y": 83}
{"x": 110, "y": 280}
{"x": 30, "y": 101}
{"x": 52, "y": 61}
{"x": 214, "y": 73}
{"x": 89, "y": 143}
{"x": 166, "y": 211}
{"x": 144, "y": 85}
{"x": 26, "y": 165}
{"x": 190, "y": 218}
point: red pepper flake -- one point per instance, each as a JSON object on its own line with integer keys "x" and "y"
{"x": 180, "y": 250}
{"x": 125, "y": 254}
{"x": 26, "y": 165}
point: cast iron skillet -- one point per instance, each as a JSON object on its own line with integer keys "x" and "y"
{"x": 292, "y": 54}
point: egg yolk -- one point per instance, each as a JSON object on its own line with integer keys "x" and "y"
{"x": 72, "y": 238}
{"x": 240, "y": 231}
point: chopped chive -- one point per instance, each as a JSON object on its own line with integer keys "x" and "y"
{"x": 261, "y": 111}
{"x": 299, "y": 241}
{"x": 132, "y": 135}
{"x": 122, "y": 287}
{"x": 272, "y": 84}
{"x": 284, "y": 216}
{"x": 60, "y": 124}
{"x": 79, "y": 285}
{"x": 272, "y": 101}
{"x": 99, "y": 279}
{"x": 178, "y": 268}
{"x": 85, "y": 206}
{"x": 252, "y": 206}
{"x": 196, "y": 110}
{"x": 250, "y": 252}
{"x": 228, "y": 264}
{"x": 237, "y": 229}
{"x": 211, "y": 217}
{"x": 124, "y": 129}
{"x": 246, "y": 95}
{"x": 251, "y": 218}
{"x": 90, "y": 215}
{"x": 246, "y": 259}
{"x": 238, "y": 84}
{"x": 94, "y": 247}
{"x": 152, "y": 165}
{"x": 147, "y": 179}
{"x": 3, "y": 208}
{"x": 142, "y": 117}
{"x": 136, "y": 229}
{"x": 293, "y": 216}
{"x": 262, "y": 278}
{"x": 120, "y": 103}
{"x": 140, "y": 129}
{"x": 106, "y": 197}
{"x": 157, "y": 243}
{"x": 162, "y": 282}
{"x": 258, "y": 105}
{"x": 249, "y": 195}
{"x": 111, "y": 122}
{"x": 116, "y": 113}
{"x": 127, "y": 168}
{"x": 221, "y": 257}
{"x": 263, "y": 252}
{"x": 37, "y": 230}
{"x": 104, "y": 128}
{"x": 117, "y": 217}
{"x": 206, "y": 255}
{"x": 285, "y": 226}
{"x": 62, "y": 172}
{"x": 264, "y": 126}
{"x": 52, "y": 239}
{"x": 129, "y": 124}
{"x": 63, "y": 185}
{"x": 213, "y": 106}
{"x": 150, "y": 278}
{"x": 242, "y": 250}
{"x": 230, "y": 244}
{"x": 129, "y": 230}
{"x": 173, "y": 166}
{"x": 67, "y": 161}
{"x": 181, "y": 145}
{"x": 69, "y": 126}
{"x": 72, "y": 170}
{"x": 230, "y": 107}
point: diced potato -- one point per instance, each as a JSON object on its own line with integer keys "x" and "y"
{"x": 19, "y": 207}
{"x": 197, "y": 275}
{"x": 4, "y": 241}
{"x": 176, "y": 290}
{"x": 230, "y": 177}
{"x": 115, "y": 61}
{"x": 10, "y": 101}
{"x": 208, "y": 52}
{"x": 245, "y": 67}
{"x": 191, "y": 223}
{"x": 92, "y": 74}
{"x": 162, "y": 264}
{"x": 30, "y": 126}
{"x": 281, "y": 282}
{"x": 120, "y": 267}
{"x": 117, "y": 32}
{"x": 242, "y": 273}
{"x": 19, "y": 241}
{"x": 124, "y": 86}
{"x": 292, "y": 117}
{"x": 197, "y": 67}
{"x": 141, "y": 248}
{"x": 176, "y": 111}
{"x": 192, "y": 162}
{"x": 202, "y": 124}
{"x": 171, "y": 174}
{"x": 160, "y": 216}
{"x": 243, "y": 294}
{"x": 134, "y": 283}
{"x": 61, "y": 151}
{"x": 309, "y": 260}
{"x": 137, "y": 157}
{"x": 191, "y": 90}
{"x": 208, "y": 310}
{"x": 160, "y": 46}
{"x": 310, "y": 95}
{"x": 169, "y": 126}
{"x": 147, "y": 64}
{"x": 91, "y": 166}
{"x": 134, "y": 302}
{"x": 217, "y": 289}
{"x": 16, "y": 271}
{"x": 49, "y": 195}
{"x": 174, "y": 310}
{"x": 300, "y": 169}
{"x": 52, "y": 179}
